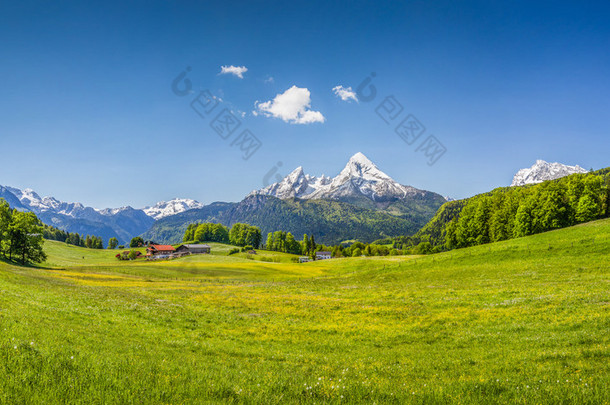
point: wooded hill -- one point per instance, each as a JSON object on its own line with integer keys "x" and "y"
{"x": 330, "y": 221}
{"x": 512, "y": 212}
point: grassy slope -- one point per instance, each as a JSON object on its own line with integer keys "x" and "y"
{"x": 521, "y": 321}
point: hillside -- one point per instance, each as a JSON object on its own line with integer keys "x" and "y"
{"x": 509, "y": 212}
{"x": 330, "y": 221}
{"x": 519, "y": 321}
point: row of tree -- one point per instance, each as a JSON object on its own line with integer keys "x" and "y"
{"x": 89, "y": 241}
{"x": 238, "y": 235}
{"x": 281, "y": 241}
{"x": 21, "y": 235}
{"x": 206, "y": 232}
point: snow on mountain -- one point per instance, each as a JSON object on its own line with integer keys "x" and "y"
{"x": 543, "y": 171}
{"x": 28, "y": 197}
{"x": 32, "y": 201}
{"x": 164, "y": 209}
{"x": 359, "y": 177}
{"x": 114, "y": 211}
{"x": 123, "y": 223}
{"x": 296, "y": 185}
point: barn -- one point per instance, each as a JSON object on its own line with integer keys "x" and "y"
{"x": 193, "y": 249}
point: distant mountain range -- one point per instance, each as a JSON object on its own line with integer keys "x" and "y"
{"x": 361, "y": 202}
{"x": 122, "y": 223}
{"x": 543, "y": 171}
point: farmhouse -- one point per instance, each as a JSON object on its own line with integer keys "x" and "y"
{"x": 193, "y": 249}
{"x": 322, "y": 255}
{"x": 154, "y": 250}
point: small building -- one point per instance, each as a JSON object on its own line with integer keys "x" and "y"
{"x": 154, "y": 250}
{"x": 322, "y": 255}
{"x": 193, "y": 249}
{"x": 304, "y": 259}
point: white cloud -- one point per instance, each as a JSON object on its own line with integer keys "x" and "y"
{"x": 345, "y": 93}
{"x": 270, "y": 79}
{"x": 291, "y": 106}
{"x": 234, "y": 70}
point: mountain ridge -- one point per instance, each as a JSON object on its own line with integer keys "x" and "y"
{"x": 543, "y": 171}
{"x": 122, "y": 223}
{"x": 360, "y": 183}
{"x": 360, "y": 176}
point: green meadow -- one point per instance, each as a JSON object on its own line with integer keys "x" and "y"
{"x": 523, "y": 321}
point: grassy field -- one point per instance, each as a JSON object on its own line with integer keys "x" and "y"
{"x": 521, "y": 321}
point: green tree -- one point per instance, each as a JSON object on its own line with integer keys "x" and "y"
{"x": 292, "y": 245}
{"x": 269, "y": 245}
{"x": 5, "y": 220}
{"x": 25, "y": 233}
{"x": 587, "y": 209}
{"x": 113, "y": 243}
{"x": 312, "y": 246}
{"x": 220, "y": 233}
{"x": 189, "y": 234}
{"x": 136, "y": 242}
{"x": 423, "y": 248}
{"x": 244, "y": 234}
{"x": 305, "y": 245}
{"x": 523, "y": 221}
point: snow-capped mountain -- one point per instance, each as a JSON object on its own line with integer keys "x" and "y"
{"x": 296, "y": 185}
{"x": 164, "y": 209}
{"x": 31, "y": 200}
{"x": 122, "y": 223}
{"x": 360, "y": 177}
{"x": 543, "y": 171}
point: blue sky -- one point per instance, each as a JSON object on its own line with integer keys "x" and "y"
{"x": 87, "y": 111}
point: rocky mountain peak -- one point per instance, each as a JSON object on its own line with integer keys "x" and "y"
{"x": 543, "y": 171}
{"x": 360, "y": 177}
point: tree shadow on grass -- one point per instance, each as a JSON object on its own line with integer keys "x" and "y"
{"x": 27, "y": 265}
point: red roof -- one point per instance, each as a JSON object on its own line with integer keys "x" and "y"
{"x": 162, "y": 247}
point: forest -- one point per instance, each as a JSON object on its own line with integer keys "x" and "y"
{"x": 513, "y": 212}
